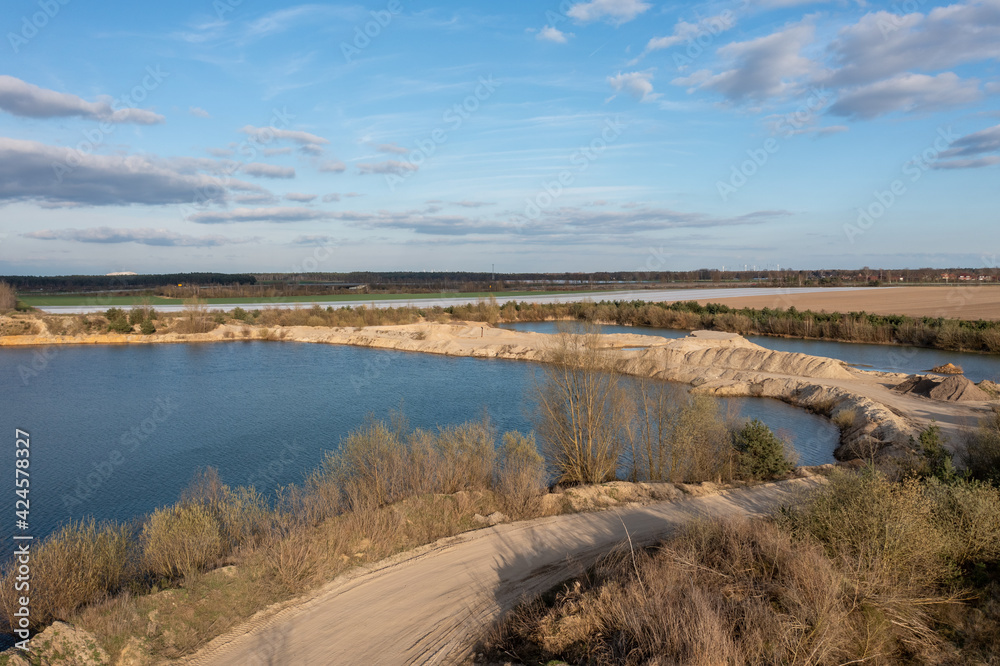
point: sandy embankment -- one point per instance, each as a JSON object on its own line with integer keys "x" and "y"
{"x": 714, "y": 363}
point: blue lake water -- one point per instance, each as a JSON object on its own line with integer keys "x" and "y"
{"x": 117, "y": 431}
{"x": 890, "y": 358}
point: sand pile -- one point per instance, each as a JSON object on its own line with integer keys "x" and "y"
{"x": 951, "y": 389}
{"x": 948, "y": 369}
{"x": 990, "y": 387}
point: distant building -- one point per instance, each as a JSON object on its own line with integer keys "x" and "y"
{"x": 120, "y": 273}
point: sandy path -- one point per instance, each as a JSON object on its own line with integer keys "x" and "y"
{"x": 430, "y": 605}
{"x": 955, "y": 302}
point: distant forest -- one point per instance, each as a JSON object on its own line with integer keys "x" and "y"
{"x": 281, "y": 284}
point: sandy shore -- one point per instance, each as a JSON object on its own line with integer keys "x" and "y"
{"x": 951, "y": 302}
{"x": 872, "y": 416}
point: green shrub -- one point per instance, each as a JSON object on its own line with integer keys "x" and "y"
{"x": 981, "y": 453}
{"x": 120, "y": 325}
{"x": 115, "y": 313}
{"x": 147, "y": 327}
{"x": 762, "y": 454}
{"x": 935, "y": 460}
{"x": 239, "y": 313}
{"x": 180, "y": 540}
{"x": 136, "y": 316}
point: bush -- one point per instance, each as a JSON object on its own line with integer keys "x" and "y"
{"x": 465, "y": 456}
{"x": 180, "y": 540}
{"x": 120, "y": 325}
{"x": 79, "y": 564}
{"x": 935, "y": 460}
{"x": 762, "y": 454}
{"x": 113, "y": 314}
{"x": 981, "y": 453}
{"x": 520, "y": 474}
{"x": 147, "y": 327}
{"x": 136, "y": 316}
{"x": 370, "y": 466}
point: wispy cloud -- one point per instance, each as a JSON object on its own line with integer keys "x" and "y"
{"x": 31, "y": 171}
{"x": 261, "y": 170}
{"x": 142, "y": 236}
{"x": 387, "y": 167}
{"x": 616, "y": 12}
{"x": 20, "y": 98}
{"x": 278, "y": 214}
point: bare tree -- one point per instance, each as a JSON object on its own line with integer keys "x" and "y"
{"x": 582, "y": 411}
{"x": 679, "y": 437}
{"x": 8, "y": 297}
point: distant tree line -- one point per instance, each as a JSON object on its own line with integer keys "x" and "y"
{"x": 77, "y": 283}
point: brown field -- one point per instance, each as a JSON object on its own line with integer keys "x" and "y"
{"x": 954, "y": 302}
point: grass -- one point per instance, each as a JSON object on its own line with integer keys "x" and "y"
{"x": 868, "y": 571}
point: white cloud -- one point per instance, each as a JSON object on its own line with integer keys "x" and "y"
{"x": 267, "y": 134}
{"x": 20, "y": 98}
{"x": 975, "y": 163}
{"x": 616, "y": 12}
{"x": 550, "y": 34}
{"x": 710, "y": 27}
{"x": 881, "y": 44}
{"x": 637, "y": 84}
{"x": 300, "y": 197}
{"x": 769, "y": 66}
{"x": 391, "y": 148}
{"x": 199, "y": 112}
{"x": 32, "y": 171}
{"x": 332, "y": 166}
{"x": 906, "y": 93}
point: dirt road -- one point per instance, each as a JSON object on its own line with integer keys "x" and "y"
{"x": 430, "y": 605}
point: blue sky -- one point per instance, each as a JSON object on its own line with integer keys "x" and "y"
{"x": 536, "y": 136}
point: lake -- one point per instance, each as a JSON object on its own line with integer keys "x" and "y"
{"x": 117, "y": 431}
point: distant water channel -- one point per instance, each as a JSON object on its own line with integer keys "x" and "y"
{"x": 889, "y": 358}
{"x": 117, "y": 431}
